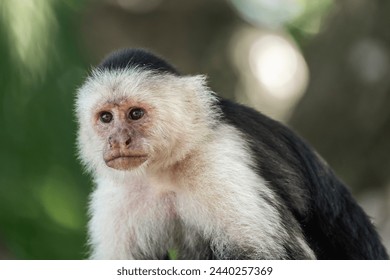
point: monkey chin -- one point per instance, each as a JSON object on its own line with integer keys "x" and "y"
{"x": 126, "y": 162}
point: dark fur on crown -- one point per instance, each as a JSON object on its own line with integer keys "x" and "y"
{"x": 136, "y": 58}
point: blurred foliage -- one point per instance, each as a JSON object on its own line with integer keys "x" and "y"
{"x": 43, "y": 193}
{"x": 309, "y": 21}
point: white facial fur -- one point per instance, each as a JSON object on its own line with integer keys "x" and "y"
{"x": 173, "y": 100}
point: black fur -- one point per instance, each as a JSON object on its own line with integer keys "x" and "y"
{"x": 136, "y": 58}
{"x": 333, "y": 223}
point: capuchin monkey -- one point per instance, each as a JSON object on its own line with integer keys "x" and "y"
{"x": 177, "y": 167}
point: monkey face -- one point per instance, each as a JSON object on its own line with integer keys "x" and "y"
{"x": 138, "y": 119}
{"x": 123, "y": 126}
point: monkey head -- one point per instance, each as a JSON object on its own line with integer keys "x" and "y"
{"x": 131, "y": 118}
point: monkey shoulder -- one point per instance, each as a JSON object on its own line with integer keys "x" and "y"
{"x": 277, "y": 151}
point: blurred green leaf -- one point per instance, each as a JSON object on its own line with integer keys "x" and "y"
{"x": 43, "y": 193}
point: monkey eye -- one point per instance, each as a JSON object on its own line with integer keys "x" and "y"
{"x": 136, "y": 114}
{"x": 106, "y": 117}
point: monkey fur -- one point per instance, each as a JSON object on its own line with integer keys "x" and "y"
{"x": 177, "y": 167}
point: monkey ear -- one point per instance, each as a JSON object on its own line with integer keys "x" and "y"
{"x": 205, "y": 99}
{"x": 201, "y": 82}
{"x": 196, "y": 80}
{"x": 198, "y": 84}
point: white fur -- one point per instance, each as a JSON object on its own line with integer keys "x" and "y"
{"x": 223, "y": 199}
{"x": 200, "y": 185}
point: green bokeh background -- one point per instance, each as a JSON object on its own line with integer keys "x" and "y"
{"x": 43, "y": 193}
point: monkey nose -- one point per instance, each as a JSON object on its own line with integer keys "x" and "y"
{"x": 128, "y": 141}
{"x": 124, "y": 141}
{"x": 119, "y": 141}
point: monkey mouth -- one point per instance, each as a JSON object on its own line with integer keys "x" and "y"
{"x": 125, "y": 162}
